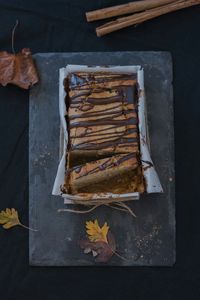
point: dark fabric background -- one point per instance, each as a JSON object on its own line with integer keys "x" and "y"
{"x": 60, "y": 26}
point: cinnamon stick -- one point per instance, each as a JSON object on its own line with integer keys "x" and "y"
{"x": 124, "y": 9}
{"x": 144, "y": 16}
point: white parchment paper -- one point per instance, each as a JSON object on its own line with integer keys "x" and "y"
{"x": 153, "y": 184}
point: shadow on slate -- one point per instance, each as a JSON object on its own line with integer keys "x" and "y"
{"x": 149, "y": 239}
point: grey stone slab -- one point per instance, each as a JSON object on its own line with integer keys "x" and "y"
{"x": 148, "y": 240}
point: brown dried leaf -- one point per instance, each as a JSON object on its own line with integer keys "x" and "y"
{"x": 18, "y": 69}
{"x": 104, "y": 250}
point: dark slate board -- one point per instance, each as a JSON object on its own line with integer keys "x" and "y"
{"x": 148, "y": 240}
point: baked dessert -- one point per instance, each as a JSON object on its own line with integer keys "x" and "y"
{"x": 103, "y": 132}
{"x": 93, "y": 175}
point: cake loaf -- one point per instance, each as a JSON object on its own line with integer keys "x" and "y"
{"x": 102, "y": 126}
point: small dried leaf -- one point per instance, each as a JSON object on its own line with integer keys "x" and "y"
{"x": 97, "y": 233}
{"x": 9, "y": 218}
{"x": 87, "y": 250}
{"x": 94, "y": 253}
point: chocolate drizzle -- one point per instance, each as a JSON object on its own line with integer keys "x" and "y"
{"x": 103, "y": 145}
{"x": 102, "y": 113}
{"x": 112, "y": 115}
{"x": 115, "y": 111}
{"x": 79, "y": 80}
{"x": 111, "y": 135}
{"x": 97, "y": 101}
{"x": 104, "y": 121}
{"x": 108, "y": 164}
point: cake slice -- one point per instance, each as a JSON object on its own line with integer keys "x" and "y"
{"x": 98, "y": 80}
{"x": 116, "y": 174}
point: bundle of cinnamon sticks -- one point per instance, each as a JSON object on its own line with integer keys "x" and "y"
{"x": 142, "y": 10}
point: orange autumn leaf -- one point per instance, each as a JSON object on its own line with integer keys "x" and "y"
{"x": 97, "y": 233}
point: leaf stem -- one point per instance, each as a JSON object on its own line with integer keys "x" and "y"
{"x": 13, "y": 35}
{"x": 117, "y": 254}
{"x": 22, "y": 225}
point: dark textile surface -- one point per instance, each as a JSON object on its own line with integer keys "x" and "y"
{"x": 60, "y": 26}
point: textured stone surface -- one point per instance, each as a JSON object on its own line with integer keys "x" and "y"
{"x": 149, "y": 239}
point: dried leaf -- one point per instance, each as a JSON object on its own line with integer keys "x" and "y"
{"x": 97, "y": 233}
{"x": 104, "y": 250}
{"x": 87, "y": 250}
{"x": 18, "y": 69}
{"x": 9, "y": 218}
{"x": 100, "y": 241}
{"x": 94, "y": 253}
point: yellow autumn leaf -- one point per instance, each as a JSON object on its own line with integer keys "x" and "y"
{"x": 97, "y": 233}
{"x": 9, "y": 218}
